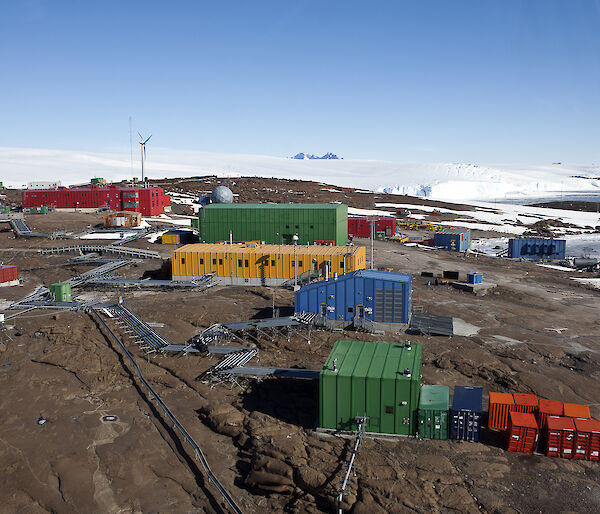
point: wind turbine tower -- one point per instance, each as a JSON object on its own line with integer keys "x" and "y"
{"x": 143, "y": 151}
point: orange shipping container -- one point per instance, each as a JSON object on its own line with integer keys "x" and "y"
{"x": 574, "y": 410}
{"x": 587, "y": 439}
{"x": 560, "y": 437}
{"x": 525, "y": 402}
{"x": 548, "y": 408}
{"x": 500, "y": 406}
{"x": 522, "y": 432}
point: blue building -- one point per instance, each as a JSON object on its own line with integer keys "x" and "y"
{"x": 377, "y": 296}
{"x": 536, "y": 248}
{"x": 455, "y": 240}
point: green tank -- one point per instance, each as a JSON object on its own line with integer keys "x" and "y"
{"x": 61, "y": 291}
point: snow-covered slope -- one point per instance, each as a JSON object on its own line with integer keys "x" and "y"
{"x": 454, "y": 182}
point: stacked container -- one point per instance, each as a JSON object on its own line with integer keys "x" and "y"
{"x": 465, "y": 419}
{"x": 522, "y": 432}
{"x": 500, "y": 406}
{"x": 560, "y": 437}
{"x": 525, "y": 402}
{"x": 433, "y": 412}
{"x": 548, "y": 408}
{"x": 574, "y": 410}
{"x": 587, "y": 439}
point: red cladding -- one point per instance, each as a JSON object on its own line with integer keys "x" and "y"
{"x": 8, "y": 273}
{"x": 587, "y": 439}
{"x": 150, "y": 201}
{"x": 360, "y": 226}
{"x": 525, "y": 402}
{"x": 548, "y": 408}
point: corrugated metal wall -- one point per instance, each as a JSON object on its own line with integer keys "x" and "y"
{"x": 382, "y": 297}
{"x": 263, "y": 261}
{"x": 274, "y": 223}
{"x": 537, "y": 248}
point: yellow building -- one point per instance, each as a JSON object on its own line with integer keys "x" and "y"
{"x": 122, "y": 219}
{"x": 251, "y": 264}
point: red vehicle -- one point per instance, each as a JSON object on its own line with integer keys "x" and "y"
{"x": 360, "y": 226}
{"x": 150, "y": 201}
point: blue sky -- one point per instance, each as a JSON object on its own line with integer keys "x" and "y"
{"x": 419, "y": 81}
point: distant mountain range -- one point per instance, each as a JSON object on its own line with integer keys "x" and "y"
{"x": 303, "y": 155}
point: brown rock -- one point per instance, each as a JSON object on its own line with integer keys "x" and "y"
{"x": 309, "y": 479}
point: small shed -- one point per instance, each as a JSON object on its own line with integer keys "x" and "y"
{"x": 364, "y": 226}
{"x": 123, "y": 219}
{"x": 9, "y": 275}
{"x": 177, "y": 237}
{"x": 536, "y": 248}
{"x": 373, "y": 379}
{"x": 377, "y": 296}
{"x": 455, "y": 240}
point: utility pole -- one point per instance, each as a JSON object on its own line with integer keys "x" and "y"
{"x": 295, "y": 239}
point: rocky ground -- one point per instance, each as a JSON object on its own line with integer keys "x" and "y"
{"x": 106, "y": 447}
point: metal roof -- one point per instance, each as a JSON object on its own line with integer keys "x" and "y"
{"x": 331, "y": 206}
{"x": 270, "y": 249}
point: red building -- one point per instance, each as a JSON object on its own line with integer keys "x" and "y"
{"x": 150, "y": 201}
{"x": 360, "y": 226}
{"x": 9, "y": 275}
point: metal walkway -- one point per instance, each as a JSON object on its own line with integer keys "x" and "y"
{"x": 110, "y": 281}
{"x": 98, "y": 272}
{"x": 117, "y": 250}
{"x": 220, "y": 372}
{"x": 259, "y": 372}
{"x": 146, "y": 337}
{"x": 186, "y": 435}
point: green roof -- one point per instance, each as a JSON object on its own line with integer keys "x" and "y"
{"x": 273, "y": 206}
{"x": 435, "y": 397}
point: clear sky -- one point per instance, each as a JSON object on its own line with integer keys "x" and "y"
{"x": 422, "y": 81}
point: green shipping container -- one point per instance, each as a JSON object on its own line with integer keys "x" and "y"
{"x": 61, "y": 291}
{"x": 378, "y": 380}
{"x": 433, "y": 412}
{"x": 274, "y": 223}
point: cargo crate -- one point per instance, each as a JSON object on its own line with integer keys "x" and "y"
{"x": 522, "y": 432}
{"x": 548, "y": 408}
{"x": 574, "y": 410}
{"x": 500, "y": 406}
{"x": 525, "y": 402}
{"x": 474, "y": 278}
{"x": 434, "y": 404}
{"x": 587, "y": 439}
{"x": 465, "y": 419}
{"x": 559, "y": 437}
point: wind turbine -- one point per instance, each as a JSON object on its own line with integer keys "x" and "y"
{"x": 143, "y": 151}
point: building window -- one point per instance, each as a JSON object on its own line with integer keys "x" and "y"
{"x": 312, "y": 226}
{"x": 245, "y": 263}
{"x": 287, "y": 226}
{"x": 266, "y": 262}
{"x": 201, "y": 261}
{"x": 183, "y": 260}
{"x": 214, "y": 262}
{"x": 350, "y": 310}
{"x": 239, "y": 263}
{"x": 272, "y": 262}
{"x": 299, "y": 264}
{"x": 220, "y": 262}
{"x": 341, "y": 264}
{"x": 293, "y": 263}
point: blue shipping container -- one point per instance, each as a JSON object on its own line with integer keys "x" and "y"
{"x": 536, "y": 248}
{"x": 465, "y": 418}
{"x": 378, "y": 296}
{"x": 474, "y": 278}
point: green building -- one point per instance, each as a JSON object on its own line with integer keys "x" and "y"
{"x": 374, "y": 379}
{"x": 274, "y": 223}
{"x": 434, "y": 404}
{"x": 61, "y": 291}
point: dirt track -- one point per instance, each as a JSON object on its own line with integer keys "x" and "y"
{"x": 538, "y": 332}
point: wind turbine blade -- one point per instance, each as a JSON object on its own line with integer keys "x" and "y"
{"x": 148, "y": 139}
{"x": 141, "y": 137}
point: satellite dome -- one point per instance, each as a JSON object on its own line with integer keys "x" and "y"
{"x": 221, "y": 194}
